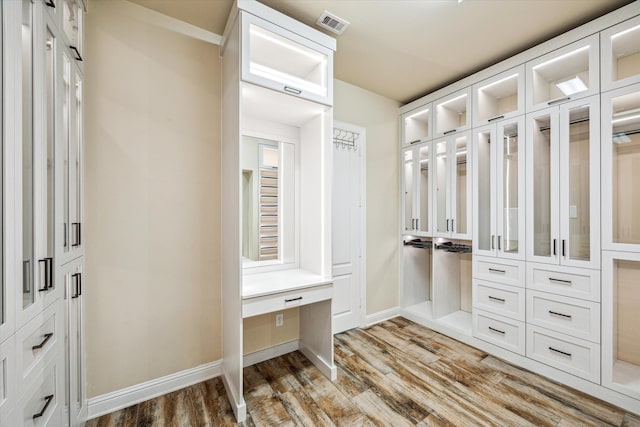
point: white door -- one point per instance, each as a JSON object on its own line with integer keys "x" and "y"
{"x": 347, "y": 226}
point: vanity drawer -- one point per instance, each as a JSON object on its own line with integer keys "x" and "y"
{"x": 41, "y": 404}
{"x": 572, "y": 282}
{"x": 501, "y": 331}
{"x": 284, "y": 300}
{"x": 571, "y": 316}
{"x": 501, "y": 271}
{"x": 572, "y": 355}
{"x": 504, "y": 300}
{"x": 38, "y": 341}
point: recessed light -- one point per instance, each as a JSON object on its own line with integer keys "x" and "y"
{"x": 571, "y": 86}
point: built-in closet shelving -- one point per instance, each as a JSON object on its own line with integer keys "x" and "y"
{"x": 277, "y": 125}
{"x": 548, "y": 139}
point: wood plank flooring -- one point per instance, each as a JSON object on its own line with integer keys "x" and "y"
{"x": 396, "y": 373}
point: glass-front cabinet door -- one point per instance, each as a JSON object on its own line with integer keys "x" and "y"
{"x": 73, "y": 26}
{"x": 499, "y": 97}
{"x": 282, "y": 60}
{"x": 417, "y": 178}
{"x": 621, "y": 169}
{"x": 452, "y": 186}
{"x": 563, "y": 75}
{"x": 621, "y": 54}
{"x": 563, "y": 184}
{"x": 499, "y": 184}
{"x": 417, "y": 125}
{"x": 452, "y": 113}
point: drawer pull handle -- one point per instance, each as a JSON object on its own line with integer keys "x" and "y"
{"x": 556, "y": 101}
{"x": 413, "y": 142}
{"x": 292, "y": 299}
{"x": 494, "y": 270}
{"x": 568, "y": 282}
{"x": 47, "y": 337}
{"x": 449, "y": 131}
{"x": 496, "y": 330}
{"x": 497, "y": 299}
{"x": 495, "y": 118}
{"x": 292, "y": 90}
{"x": 47, "y": 402}
{"x": 555, "y": 313}
{"x": 564, "y": 353}
{"x": 75, "y": 50}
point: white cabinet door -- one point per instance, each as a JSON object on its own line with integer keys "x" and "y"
{"x": 621, "y": 169}
{"x": 452, "y": 186}
{"x": 499, "y": 97}
{"x": 452, "y": 113}
{"x": 282, "y": 60}
{"x": 498, "y": 189}
{"x": 620, "y": 50}
{"x": 563, "y": 184}
{"x": 417, "y": 125}
{"x": 416, "y": 193}
{"x": 566, "y": 74}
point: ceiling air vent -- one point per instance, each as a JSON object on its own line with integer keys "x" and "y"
{"x": 332, "y": 23}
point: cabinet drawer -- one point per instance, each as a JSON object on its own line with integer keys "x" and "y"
{"x": 504, "y": 300}
{"x": 572, "y": 282}
{"x": 43, "y": 400}
{"x": 578, "y": 318}
{"x": 500, "y": 271}
{"x": 8, "y": 395}
{"x": 575, "y": 356}
{"x": 506, "y": 333}
{"x": 38, "y": 341}
{"x": 284, "y": 300}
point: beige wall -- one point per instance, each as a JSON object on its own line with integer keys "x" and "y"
{"x": 152, "y": 200}
{"x": 379, "y": 115}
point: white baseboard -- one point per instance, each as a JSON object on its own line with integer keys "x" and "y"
{"x": 128, "y": 396}
{"x": 381, "y": 316}
{"x": 329, "y": 370}
{"x": 270, "y": 353}
{"x": 238, "y": 404}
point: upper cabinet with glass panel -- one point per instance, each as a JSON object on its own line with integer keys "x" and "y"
{"x": 499, "y": 97}
{"x": 73, "y": 25}
{"x": 621, "y": 54}
{"x": 451, "y": 113}
{"x": 285, "y": 61}
{"x": 569, "y": 73}
{"x": 417, "y": 125}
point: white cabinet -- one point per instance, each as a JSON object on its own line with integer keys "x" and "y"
{"x": 566, "y": 74}
{"x": 563, "y": 191}
{"x": 620, "y": 169}
{"x": 416, "y": 192}
{"x": 499, "y": 189}
{"x": 499, "y": 97}
{"x": 452, "y": 113}
{"x": 620, "y": 332}
{"x": 274, "y": 57}
{"x": 620, "y": 50}
{"x": 452, "y": 186}
{"x": 73, "y": 27}
{"x": 417, "y": 125}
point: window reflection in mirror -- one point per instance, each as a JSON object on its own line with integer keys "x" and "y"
{"x": 268, "y": 202}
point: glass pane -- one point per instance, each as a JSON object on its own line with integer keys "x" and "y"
{"x": 561, "y": 76}
{"x": 579, "y": 200}
{"x": 510, "y": 157}
{"x": 50, "y": 142}
{"x": 416, "y": 126}
{"x": 485, "y": 197}
{"x": 2, "y": 285}
{"x": 423, "y": 223}
{"x": 282, "y": 60}
{"x": 408, "y": 190}
{"x": 462, "y": 209}
{"x": 625, "y": 48}
{"x": 27, "y": 156}
{"x": 75, "y": 203}
{"x": 626, "y": 302}
{"x": 441, "y": 178}
{"x": 626, "y": 168}
{"x": 452, "y": 114}
{"x": 541, "y": 209}
{"x": 498, "y": 98}
{"x": 66, "y": 136}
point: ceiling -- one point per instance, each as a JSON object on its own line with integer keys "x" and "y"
{"x": 403, "y": 49}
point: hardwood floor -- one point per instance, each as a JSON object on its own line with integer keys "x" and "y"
{"x": 396, "y": 373}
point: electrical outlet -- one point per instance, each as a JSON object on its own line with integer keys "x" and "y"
{"x": 279, "y": 320}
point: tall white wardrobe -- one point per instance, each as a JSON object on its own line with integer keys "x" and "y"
{"x": 520, "y": 234}
{"x": 277, "y": 119}
{"x": 42, "y": 379}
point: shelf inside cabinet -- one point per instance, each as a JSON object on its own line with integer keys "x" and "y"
{"x": 625, "y": 51}
{"x": 417, "y": 126}
{"x": 498, "y": 98}
{"x": 451, "y": 114}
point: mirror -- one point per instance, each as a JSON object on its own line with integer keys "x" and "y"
{"x": 268, "y": 202}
